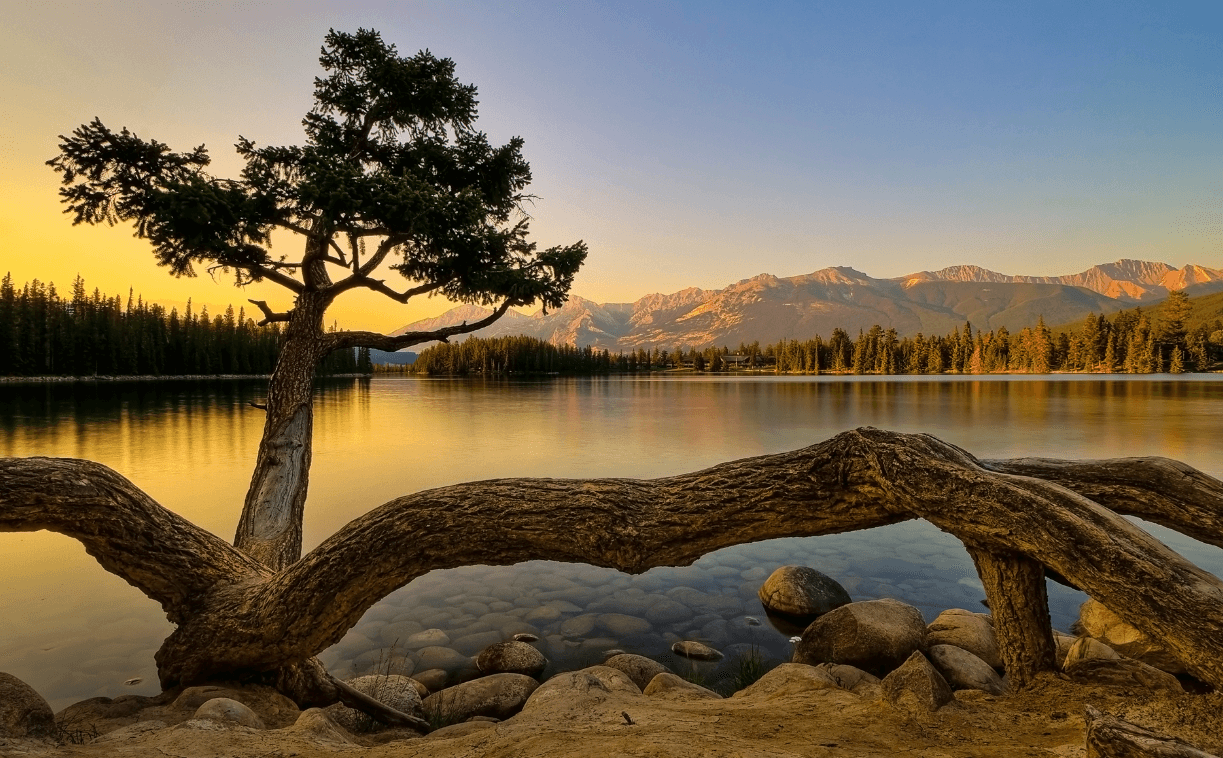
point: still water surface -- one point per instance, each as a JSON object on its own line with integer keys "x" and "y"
{"x": 73, "y": 631}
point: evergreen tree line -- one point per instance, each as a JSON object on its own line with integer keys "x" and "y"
{"x": 510, "y": 355}
{"x": 1130, "y": 342}
{"x": 92, "y": 334}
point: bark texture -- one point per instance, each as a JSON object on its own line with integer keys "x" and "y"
{"x": 1110, "y": 737}
{"x": 237, "y": 618}
{"x": 1019, "y": 601}
{"x": 270, "y": 528}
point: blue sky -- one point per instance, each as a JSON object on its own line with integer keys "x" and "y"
{"x": 687, "y": 143}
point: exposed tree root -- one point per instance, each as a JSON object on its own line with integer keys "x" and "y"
{"x": 237, "y": 618}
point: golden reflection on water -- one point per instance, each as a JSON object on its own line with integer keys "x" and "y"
{"x": 191, "y": 446}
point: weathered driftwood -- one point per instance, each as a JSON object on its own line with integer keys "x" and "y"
{"x": 1110, "y": 737}
{"x": 236, "y": 617}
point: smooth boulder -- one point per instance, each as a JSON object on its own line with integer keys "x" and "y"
{"x": 273, "y": 708}
{"x": 968, "y": 631}
{"x": 876, "y": 636}
{"x": 853, "y": 679}
{"x": 1088, "y": 648}
{"x": 637, "y": 667}
{"x": 965, "y": 671}
{"x": 511, "y": 658}
{"x": 226, "y": 711}
{"x": 696, "y": 651}
{"x": 668, "y": 686}
{"x": 23, "y": 712}
{"x": 1062, "y": 643}
{"x": 1099, "y": 622}
{"x": 789, "y": 679}
{"x": 916, "y": 686}
{"x": 801, "y": 592}
{"x": 498, "y": 695}
{"x": 432, "y": 679}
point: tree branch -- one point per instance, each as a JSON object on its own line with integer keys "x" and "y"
{"x": 391, "y": 343}
{"x": 379, "y": 286}
{"x": 384, "y": 249}
{"x": 269, "y": 316}
{"x": 163, "y": 555}
{"x": 283, "y": 280}
{"x": 1159, "y": 490}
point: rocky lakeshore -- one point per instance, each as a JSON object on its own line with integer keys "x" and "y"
{"x": 863, "y": 678}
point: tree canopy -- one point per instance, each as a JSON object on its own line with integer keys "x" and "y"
{"x": 392, "y": 171}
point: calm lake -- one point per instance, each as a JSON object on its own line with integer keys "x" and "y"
{"x": 73, "y": 631}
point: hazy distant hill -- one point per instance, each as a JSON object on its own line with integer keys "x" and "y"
{"x": 768, "y": 308}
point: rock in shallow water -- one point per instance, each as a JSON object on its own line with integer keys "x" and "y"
{"x": 696, "y": 651}
{"x": 427, "y": 638}
{"x": 442, "y": 658}
{"x": 511, "y": 658}
{"x": 623, "y": 625}
{"x": 802, "y": 592}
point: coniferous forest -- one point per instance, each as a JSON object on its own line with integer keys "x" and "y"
{"x": 44, "y": 333}
{"x": 1132, "y": 342}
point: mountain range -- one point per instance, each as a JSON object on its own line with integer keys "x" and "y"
{"x": 768, "y": 308}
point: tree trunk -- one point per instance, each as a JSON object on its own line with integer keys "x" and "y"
{"x": 270, "y": 528}
{"x": 236, "y": 618}
{"x": 1018, "y": 599}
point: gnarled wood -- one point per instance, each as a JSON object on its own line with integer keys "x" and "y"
{"x": 157, "y": 551}
{"x": 1111, "y": 737}
{"x": 249, "y": 622}
{"x": 270, "y": 528}
{"x": 1160, "y": 490}
{"x": 1019, "y": 601}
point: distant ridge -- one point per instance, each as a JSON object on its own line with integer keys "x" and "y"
{"x": 767, "y": 308}
{"x": 1127, "y": 279}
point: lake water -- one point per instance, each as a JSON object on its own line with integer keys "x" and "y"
{"x": 73, "y": 631}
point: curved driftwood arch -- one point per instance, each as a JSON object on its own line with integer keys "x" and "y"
{"x": 235, "y": 617}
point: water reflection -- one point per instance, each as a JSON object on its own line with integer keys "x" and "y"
{"x": 192, "y": 445}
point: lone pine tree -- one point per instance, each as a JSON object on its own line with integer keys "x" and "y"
{"x": 393, "y": 176}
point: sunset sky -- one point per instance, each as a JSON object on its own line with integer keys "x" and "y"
{"x": 689, "y": 144}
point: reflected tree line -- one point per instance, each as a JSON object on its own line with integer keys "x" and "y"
{"x": 43, "y": 333}
{"x": 1132, "y": 342}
